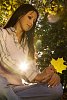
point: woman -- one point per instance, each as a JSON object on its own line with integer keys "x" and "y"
{"x": 19, "y": 77}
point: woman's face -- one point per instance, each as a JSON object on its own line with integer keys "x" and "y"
{"x": 28, "y": 20}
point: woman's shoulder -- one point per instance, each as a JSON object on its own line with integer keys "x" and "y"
{"x": 2, "y": 33}
{"x": 1, "y": 29}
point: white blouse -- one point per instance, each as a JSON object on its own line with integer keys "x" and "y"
{"x": 13, "y": 57}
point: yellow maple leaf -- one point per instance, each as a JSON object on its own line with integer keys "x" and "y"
{"x": 58, "y": 64}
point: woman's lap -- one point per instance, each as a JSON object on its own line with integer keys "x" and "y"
{"x": 39, "y": 91}
{"x": 33, "y": 92}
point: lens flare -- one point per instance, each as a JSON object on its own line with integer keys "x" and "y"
{"x": 23, "y": 66}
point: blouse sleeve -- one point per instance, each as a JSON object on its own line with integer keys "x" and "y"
{"x": 31, "y": 71}
{"x": 5, "y": 60}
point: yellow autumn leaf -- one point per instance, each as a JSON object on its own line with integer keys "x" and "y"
{"x": 44, "y": 1}
{"x": 53, "y": 2}
{"x": 9, "y": 7}
{"x": 60, "y": 6}
{"x": 10, "y": 12}
{"x": 58, "y": 64}
{"x": 55, "y": 9}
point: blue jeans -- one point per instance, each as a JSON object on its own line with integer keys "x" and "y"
{"x": 33, "y": 92}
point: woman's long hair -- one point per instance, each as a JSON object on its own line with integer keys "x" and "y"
{"x": 21, "y": 11}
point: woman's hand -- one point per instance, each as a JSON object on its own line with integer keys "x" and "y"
{"x": 51, "y": 77}
{"x": 45, "y": 75}
{"x": 54, "y": 81}
{"x": 51, "y": 67}
{"x": 48, "y": 73}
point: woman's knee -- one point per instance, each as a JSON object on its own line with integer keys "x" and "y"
{"x": 57, "y": 91}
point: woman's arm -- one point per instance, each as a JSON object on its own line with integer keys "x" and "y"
{"x": 8, "y": 67}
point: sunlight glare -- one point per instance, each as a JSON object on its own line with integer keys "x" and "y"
{"x": 23, "y": 66}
